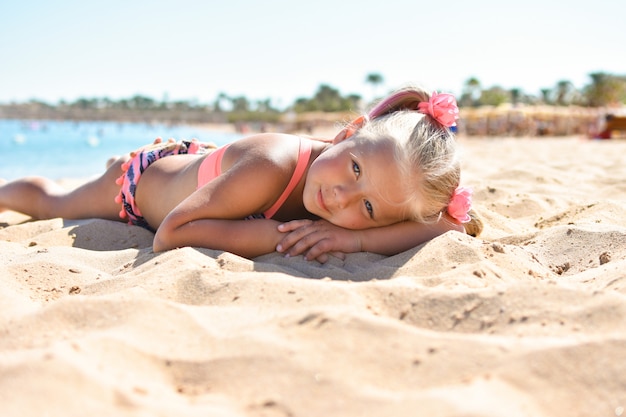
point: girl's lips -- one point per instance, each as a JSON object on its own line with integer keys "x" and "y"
{"x": 320, "y": 200}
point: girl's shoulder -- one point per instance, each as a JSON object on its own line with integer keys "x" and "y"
{"x": 278, "y": 149}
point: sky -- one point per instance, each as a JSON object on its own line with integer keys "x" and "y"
{"x": 281, "y": 50}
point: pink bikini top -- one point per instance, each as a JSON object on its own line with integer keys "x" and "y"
{"x": 211, "y": 168}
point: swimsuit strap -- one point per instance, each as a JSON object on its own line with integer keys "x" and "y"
{"x": 211, "y": 167}
{"x": 304, "y": 155}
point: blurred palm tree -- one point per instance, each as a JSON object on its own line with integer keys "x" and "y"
{"x": 495, "y": 96}
{"x": 327, "y": 99}
{"x": 605, "y": 89}
{"x": 516, "y": 94}
{"x": 375, "y": 79}
{"x": 564, "y": 92}
{"x": 222, "y": 102}
{"x": 471, "y": 92}
{"x": 545, "y": 95}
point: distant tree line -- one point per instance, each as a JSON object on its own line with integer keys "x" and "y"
{"x": 604, "y": 89}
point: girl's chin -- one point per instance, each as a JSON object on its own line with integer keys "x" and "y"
{"x": 311, "y": 208}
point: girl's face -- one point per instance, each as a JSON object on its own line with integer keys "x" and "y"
{"x": 357, "y": 185}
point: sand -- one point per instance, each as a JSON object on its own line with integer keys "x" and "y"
{"x": 527, "y": 320}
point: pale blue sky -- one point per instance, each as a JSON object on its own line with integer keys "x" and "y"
{"x": 65, "y": 49}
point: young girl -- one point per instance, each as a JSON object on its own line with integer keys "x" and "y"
{"x": 388, "y": 182}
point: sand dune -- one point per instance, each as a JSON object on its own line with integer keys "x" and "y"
{"x": 527, "y": 320}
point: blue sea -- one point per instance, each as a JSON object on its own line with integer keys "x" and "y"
{"x": 66, "y": 149}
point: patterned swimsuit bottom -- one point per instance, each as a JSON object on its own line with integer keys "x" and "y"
{"x": 140, "y": 161}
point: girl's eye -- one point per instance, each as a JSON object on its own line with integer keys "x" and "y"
{"x": 369, "y": 208}
{"x": 356, "y": 168}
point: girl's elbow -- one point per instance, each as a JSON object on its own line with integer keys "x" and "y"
{"x": 157, "y": 244}
{"x": 161, "y": 241}
{"x": 167, "y": 235}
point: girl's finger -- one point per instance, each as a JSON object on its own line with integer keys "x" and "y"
{"x": 293, "y": 225}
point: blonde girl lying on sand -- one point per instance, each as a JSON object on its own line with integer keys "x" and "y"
{"x": 388, "y": 182}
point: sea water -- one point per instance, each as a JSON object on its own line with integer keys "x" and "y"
{"x": 67, "y": 149}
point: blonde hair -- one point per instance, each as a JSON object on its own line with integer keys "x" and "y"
{"x": 425, "y": 150}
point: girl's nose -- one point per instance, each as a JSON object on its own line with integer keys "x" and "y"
{"x": 345, "y": 195}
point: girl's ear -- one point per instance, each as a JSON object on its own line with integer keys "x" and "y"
{"x": 349, "y": 130}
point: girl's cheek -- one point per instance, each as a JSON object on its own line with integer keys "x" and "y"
{"x": 346, "y": 220}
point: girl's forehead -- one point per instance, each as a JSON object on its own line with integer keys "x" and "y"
{"x": 371, "y": 145}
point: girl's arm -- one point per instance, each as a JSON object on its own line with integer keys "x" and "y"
{"x": 315, "y": 239}
{"x": 211, "y": 216}
{"x": 247, "y": 238}
{"x": 399, "y": 237}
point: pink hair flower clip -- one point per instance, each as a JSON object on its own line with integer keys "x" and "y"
{"x": 460, "y": 204}
{"x": 441, "y": 107}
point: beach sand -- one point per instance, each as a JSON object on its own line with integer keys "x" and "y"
{"x": 529, "y": 319}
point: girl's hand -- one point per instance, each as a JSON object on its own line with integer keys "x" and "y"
{"x": 316, "y": 239}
